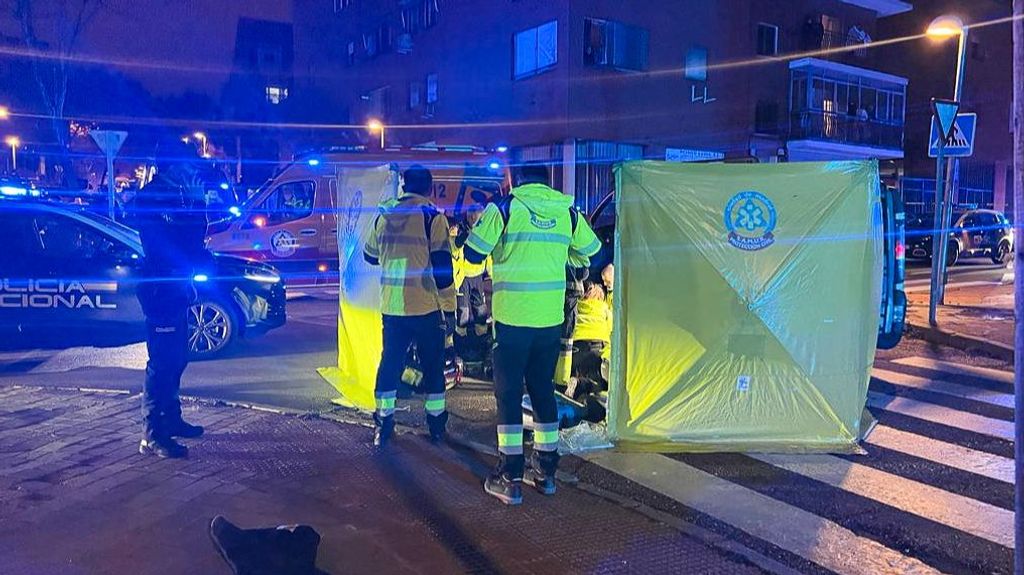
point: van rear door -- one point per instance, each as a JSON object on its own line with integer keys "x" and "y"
{"x": 894, "y": 299}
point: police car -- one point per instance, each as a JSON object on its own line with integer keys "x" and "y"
{"x": 68, "y": 277}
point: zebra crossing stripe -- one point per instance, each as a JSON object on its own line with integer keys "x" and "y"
{"x": 800, "y": 532}
{"x": 942, "y": 415}
{"x": 944, "y": 387}
{"x": 958, "y": 369}
{"x": 956, "y": 511}
{"x": 948, "y": 454}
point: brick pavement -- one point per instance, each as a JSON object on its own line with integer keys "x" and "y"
{"x": 75, "y": 497}
{"x": 984, "y": 312}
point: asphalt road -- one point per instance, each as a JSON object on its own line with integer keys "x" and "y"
{"x": 968, "y": 270}
{"x": 276, "y": 369}
{"x": 932, "y": 492}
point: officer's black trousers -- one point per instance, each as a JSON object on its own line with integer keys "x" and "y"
{"x": 166, "y": 307}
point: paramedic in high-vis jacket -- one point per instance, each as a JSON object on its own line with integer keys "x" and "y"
{"x": 409, "y": 241}
{"x": 531, "y": 235}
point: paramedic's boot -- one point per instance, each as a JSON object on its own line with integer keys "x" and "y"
{"x": 161, "y": 445}
{"x": 505, "y": 482}
{"x": 383, "y": 429}
{"x": 438, "y": 425}
{"x": 541, "y": 474}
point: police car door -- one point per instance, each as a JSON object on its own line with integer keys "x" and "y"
{"x": 18, "y": 264}
{"x": 86, "y": 277}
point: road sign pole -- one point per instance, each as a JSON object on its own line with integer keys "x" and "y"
{"x": 1018, "y": 280}
{"x": 947, "y": 214}
{"x": 111, "y": 186}
{"x": 938, "y": 234}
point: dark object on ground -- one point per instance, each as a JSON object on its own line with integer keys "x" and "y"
{"x": 284, "y": 550}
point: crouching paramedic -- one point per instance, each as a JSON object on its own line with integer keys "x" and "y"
{"x": 409, "y": 241}
{"x": 591, "y": 353}
{"x": 530, "y": 234}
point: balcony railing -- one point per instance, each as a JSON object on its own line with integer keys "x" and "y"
{"x": 845, "y": 129}
{"x": 830, "y": 45}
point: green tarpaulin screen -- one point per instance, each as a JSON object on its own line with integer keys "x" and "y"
{"x": 746, "y": 305}
{"x": 360, "y": 192}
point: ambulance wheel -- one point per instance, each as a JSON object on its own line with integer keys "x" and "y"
{"x": 213, "y": 326}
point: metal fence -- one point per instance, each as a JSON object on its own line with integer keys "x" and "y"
{"x": 918, "y": 196}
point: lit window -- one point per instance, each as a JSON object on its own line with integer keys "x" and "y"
{"x": 536, "y": 49}
{"x": 276, "y": 94}
{"x": 432, "y": 88}
{"x": 697, "y": 64}
{"x": 609, "y": 44}
{"x": 767, "y": 40}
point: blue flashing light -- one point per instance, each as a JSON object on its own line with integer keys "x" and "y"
{"x": 135, "y": 256}
{"x": 224, "y": 186}
{"x": 235, "y": 211}
{"x": 256, "y": 245}
{"x": 501, "y": 149}
{"x": 494, "y": 166}
{"x": 200, "y": 278}
{"x": 13, "y": 191}
{"x": 313, "y": 162}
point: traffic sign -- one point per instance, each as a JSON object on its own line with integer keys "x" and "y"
{"x": 945, "y": 112}
{"x": 109, "y": 141}
{"x": 959, "y": 142}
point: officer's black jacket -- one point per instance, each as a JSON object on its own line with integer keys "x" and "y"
{"x": 173, "y": 231}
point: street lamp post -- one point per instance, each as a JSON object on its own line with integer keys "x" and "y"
{"x": 13, "y": 142}
{"x": 942, "y": 28}
{"x": 374, "y": 126}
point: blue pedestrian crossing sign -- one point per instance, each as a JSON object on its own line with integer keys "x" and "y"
{"x": 960, "y": 138}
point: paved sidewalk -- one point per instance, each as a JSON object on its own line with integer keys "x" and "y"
{"x": 75, "y": 497}
{"x": 984, "y": 313}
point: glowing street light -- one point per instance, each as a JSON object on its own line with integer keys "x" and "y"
{"x": 204, "y": 152}
{"x": 941, "y": 29}
{"x": 374, "y": 126}
{"x": 13, "y": 142}
{"x": 945, "y": 26}
{"x": 5, "y": 113}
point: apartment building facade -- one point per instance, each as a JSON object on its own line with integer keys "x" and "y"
{"x": 585, "y": 83}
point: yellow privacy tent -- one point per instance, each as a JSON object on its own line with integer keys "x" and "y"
{"x": 360, "y": 192}
{"x": 746, "y": 305}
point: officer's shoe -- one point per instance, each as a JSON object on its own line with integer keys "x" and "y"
{"x": 438, "y": 425}
{"x": 507, "y": 490}
{"x": 162, "y": 446}
{"x": 541, "y": 472}
{"x": 178, "y": 427}
{"x": 383, "y": 430}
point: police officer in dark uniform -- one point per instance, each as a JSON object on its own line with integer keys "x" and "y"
{"x": 170, "y": 214}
